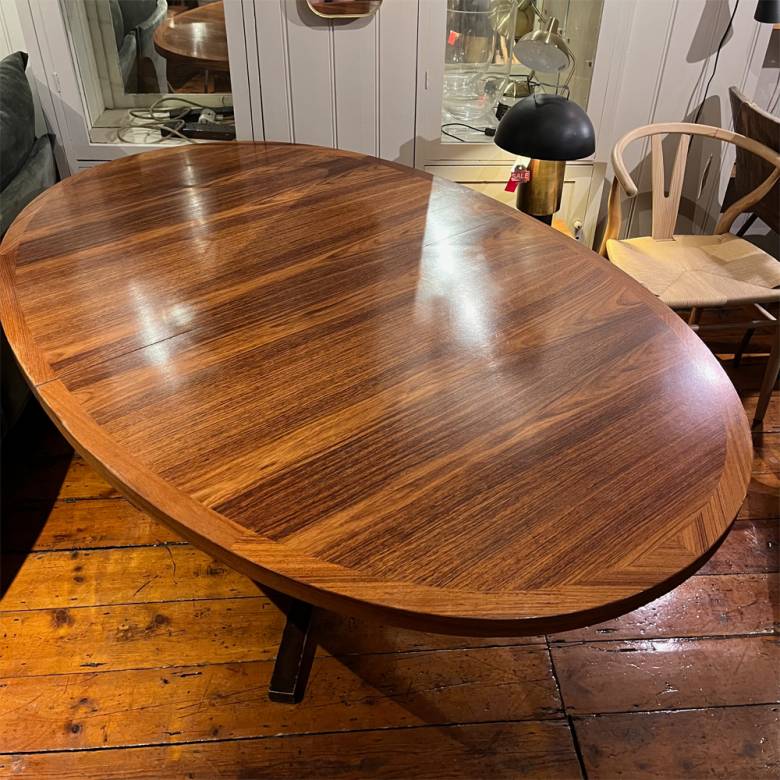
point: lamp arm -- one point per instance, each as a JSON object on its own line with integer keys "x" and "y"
{"x": 534, "y": 8}
{"x": 570, "y": 55}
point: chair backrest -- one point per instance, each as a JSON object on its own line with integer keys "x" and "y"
{"x": 761, "y": 126}
{"x": 665, "y": 207}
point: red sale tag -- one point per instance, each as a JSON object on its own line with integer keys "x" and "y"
{"x": 452, "y": 37}
{"x": 518, "y": 176}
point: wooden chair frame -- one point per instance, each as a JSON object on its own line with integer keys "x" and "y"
{"x": 665, "y": 209}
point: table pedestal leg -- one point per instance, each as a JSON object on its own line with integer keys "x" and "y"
{"x": 296, "y": 650}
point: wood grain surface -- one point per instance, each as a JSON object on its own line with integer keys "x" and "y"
{"x": 726, "y": 743}
{"x": 372, "y": 389}
{"x": 677, "y": 673}
{"x": 539, "y": 750}
{"x": 491, "y": 685}
{"x": 195, "y": 37}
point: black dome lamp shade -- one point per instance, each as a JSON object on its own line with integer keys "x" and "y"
{"x": 546, "y": 127}
{"x": 768, "y": 11}
{"x": 550, "y": 129}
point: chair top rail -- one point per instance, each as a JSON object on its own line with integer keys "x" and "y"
{"x": 687, "y": 128}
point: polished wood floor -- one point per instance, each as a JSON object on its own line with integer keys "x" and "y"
{"x": 125, "y": 652}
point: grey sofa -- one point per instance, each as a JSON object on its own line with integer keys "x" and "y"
{"x": 26, "y": 169}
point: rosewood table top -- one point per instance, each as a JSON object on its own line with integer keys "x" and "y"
{"x": 374, "y": 390}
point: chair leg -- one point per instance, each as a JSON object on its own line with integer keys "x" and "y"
{"x": 695, "y": 315}
{"x": 743, "y": 345}
{"x": 770, "y": 378}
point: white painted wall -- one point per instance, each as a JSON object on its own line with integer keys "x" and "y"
{"x": 768, "y": 90}
{"x": 11, "y": 36}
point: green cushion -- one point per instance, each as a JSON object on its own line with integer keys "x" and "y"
{"x": 37, "y": 174}
{"x": 17, "y": 116}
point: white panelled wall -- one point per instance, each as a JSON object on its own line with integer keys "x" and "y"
{"x": 10, "y": 30}
{"x": 348, "y": 84}
{"x": 11, "y": 40}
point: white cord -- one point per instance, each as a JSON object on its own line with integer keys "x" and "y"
{"x": 154, "y": 121}
{"x": 169, "y": 130}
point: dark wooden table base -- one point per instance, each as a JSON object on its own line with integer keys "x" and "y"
{"x": 296, "y": 649}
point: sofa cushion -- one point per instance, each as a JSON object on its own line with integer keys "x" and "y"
{"x": 17, "y": 117}
{"x": 37, "y": 174}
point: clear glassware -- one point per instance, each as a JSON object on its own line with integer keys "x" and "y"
{"x": 477, "y": 56}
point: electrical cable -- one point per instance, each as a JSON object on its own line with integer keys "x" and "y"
{"x": 726, "y": 32}
{"x": 488, "y": 131}
{"x": 491, "y": 131}
{"x": 171, "y": 120}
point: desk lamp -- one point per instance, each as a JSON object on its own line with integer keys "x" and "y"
{"x": 549, "y": 129}
{"x": 545, "y": 49}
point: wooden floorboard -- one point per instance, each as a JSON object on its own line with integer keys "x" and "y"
{"x": 716, "y": 605}
{"x": 227, "y": 701}
{"x": 163, "y": 634}
{"x": 752, "y": 547}
{"x": 739, "y": 743}
{"x": 51, "y": 580}
{"x": 664, "y": 674}
{"x": 538, "y": 750}
{"x": 125, "y": 652}
{"x": 83, "y": 525}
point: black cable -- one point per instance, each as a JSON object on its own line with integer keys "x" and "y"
{"x": 489, "y": 131}
{"x": 450, "y": 135}
{"x": 715, "y": 65}
{"x": 461, "y": 124}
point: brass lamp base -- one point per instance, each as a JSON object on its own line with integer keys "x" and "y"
{"x": 541, "y": 196}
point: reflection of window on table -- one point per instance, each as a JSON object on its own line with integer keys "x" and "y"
{"x": 125, "y": 64}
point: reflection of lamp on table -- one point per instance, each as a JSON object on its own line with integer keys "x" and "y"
{"x": 550, "y": 129}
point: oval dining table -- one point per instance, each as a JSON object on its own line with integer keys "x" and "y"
{"x": 373, "y": 391}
